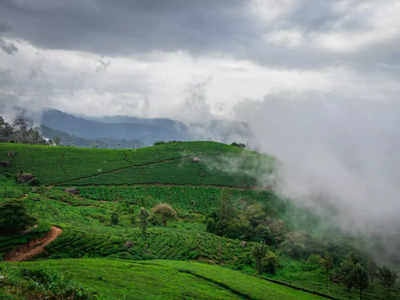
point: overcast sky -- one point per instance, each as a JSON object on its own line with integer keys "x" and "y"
{"x": 148, "y": 58}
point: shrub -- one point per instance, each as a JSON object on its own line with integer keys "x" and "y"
{"x": 387, "y": 277}
{"x": 259, "y": 253}
{"x": 164, "y": 211}
{"x": 270, "y": 262}
{"x": 14, "y": 218}
{"x": 313, "y": 262}
{"x": 50, "y": 285}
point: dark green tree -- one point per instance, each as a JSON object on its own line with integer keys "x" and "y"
{"x": 327, "y": 264}
{"x": 387, "y": 277}
{"x": 270, "y": 262}
{"x": 357, "y": 277}
{"x": 14, "y": 218}
{"x": 259, "y": 253}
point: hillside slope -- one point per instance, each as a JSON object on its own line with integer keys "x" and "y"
{"x": 116, "y": 279}
{"x": 182, "y": 163}
{"x": 202, "y": 181}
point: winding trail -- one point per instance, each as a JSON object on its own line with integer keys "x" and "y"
{"x": 34, "y": 247}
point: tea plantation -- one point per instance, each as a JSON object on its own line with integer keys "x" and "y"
{"x": 96, "y": 197}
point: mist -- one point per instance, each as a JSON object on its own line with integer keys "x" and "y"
{"x": 340, "y": 153}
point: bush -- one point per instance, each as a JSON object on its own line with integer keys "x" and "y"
{"x": 50, "y": 285}
{"x": 297, "y": 245}
{"x": 164, "y": 211}
{"x": 270, "y": 262}
{"x": 313, "y": 262}
{"x": 387, "y": 277}
{"x": 14, "y": 218}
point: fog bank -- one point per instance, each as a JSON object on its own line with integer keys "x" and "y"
{"x": 340, "y": 153}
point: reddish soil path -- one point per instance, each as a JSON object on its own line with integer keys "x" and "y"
{"x": 34, "y": 247}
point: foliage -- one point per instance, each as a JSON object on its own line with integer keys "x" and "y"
{"x": 52, "y": 286}
{"x": 240, "y": 145}
{"x": 387, "y": 277}
{"x": 165, "y": 212}
{"x": 21, "y": 131}
{"x": 14, "y": 218}
{"x": 259, "y": 252}
{"x": 298, "y": 245}
{"x": 270, "y": 262}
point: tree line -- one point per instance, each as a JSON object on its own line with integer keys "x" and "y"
{"x": 21, "y": 130}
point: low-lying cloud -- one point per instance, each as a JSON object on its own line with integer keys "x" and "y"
{"x": 340, "y": 153}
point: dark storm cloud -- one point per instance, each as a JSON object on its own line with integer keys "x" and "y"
{"x": 126, "y": 27}
{"x": 208, "y": 27}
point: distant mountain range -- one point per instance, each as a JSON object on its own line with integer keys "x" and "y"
{"x": 130, "y": 132}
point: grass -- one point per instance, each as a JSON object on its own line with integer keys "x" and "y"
{"x": 158, "y": 279}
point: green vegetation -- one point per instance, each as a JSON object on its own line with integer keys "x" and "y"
{"x": 157, "y": 279}
{"x": 13, "y": 217}
{"x": 154, "y": 203}
{"x": 170, "y": 163}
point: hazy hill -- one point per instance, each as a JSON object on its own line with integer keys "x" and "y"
{"x": 147, "y": 131}
{"x": 131, "y": 132}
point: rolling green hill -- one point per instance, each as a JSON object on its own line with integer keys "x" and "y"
{"x": 206, "y": 163}
{"x": 196, "y": 179}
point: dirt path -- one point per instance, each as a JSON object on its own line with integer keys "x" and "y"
{"x": 34, "y": 247}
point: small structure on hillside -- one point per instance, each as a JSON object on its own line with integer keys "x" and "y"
{"x": 196, "y": 159}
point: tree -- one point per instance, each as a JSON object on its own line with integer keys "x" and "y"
{"x": 387, "y": 277}
{"x": 23, "y": 132}
{"x": 270, "y": 262}
{"x": 144, "y": 220}
{"x": 372, "y": 270}
{"x": 14, "y": 218}
{"x": 164, "y": 211}
{"x": 327, "y": 263}
{"x": 6, "y": 130}
{"x": 356, "y": 276}
{"x": 259, "y": 252}
{"x": 221, "y": 221}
